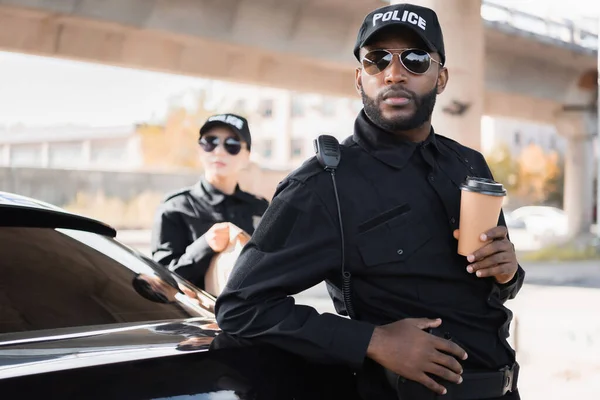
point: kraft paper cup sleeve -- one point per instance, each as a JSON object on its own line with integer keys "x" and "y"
{"x": 222, "y": 263}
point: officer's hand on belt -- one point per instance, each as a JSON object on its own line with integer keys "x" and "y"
{"x": 497, "y": 259}
{"x": 217, "y": 236}
{"x": 405, "y": 349}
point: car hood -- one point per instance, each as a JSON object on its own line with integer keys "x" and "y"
{"x": 59, "y": 349}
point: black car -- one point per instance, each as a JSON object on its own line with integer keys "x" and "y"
{"x": 84, "y": 317}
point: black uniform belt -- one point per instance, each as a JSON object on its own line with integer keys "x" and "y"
{"x": 475, "y": 385}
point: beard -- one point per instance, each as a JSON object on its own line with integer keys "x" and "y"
{"x": 423, "y": 109}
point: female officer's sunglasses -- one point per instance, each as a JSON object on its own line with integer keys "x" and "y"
{"x": 231, "y": 145}
{"x": 416, "y": 61}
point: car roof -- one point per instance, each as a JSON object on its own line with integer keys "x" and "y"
{"x": 16, "y": 200}
{"x": 21, "y": 211}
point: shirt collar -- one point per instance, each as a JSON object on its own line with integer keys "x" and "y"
{"x": 385, "y": 146}
{"x": 212, "y": 195}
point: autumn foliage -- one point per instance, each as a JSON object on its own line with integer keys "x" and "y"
{"x": 532, "y": 177}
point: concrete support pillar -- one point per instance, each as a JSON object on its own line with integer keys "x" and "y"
{"x": 579, "y": 185}
{"x": 578, "y": 123}
{"x": 579, "y": 170}
{"x": 463, "y": 31}
{"x": 45, "y": 155}
{"x": 86, "y": 153}
{"x": 5, "y": 154}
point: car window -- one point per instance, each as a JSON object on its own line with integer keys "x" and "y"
{"x": 58, "y": 278}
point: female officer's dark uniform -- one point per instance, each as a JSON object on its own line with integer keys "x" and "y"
{"x": 185, "y": 216}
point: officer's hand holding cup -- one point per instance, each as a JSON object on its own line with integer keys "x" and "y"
{"x": 217, "y": 236}
{"x": 485, "y": 244}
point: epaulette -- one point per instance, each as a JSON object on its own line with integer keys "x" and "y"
{"x": 311, "y": 167}
{"x": 307, "y": 170}
{"x": 176, "y": 193}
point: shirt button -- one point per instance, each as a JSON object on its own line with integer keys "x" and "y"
{"x": 431, "y": 178}
{"x": 453, "y": 220}
{"x": 400, "y": 252}
{"x": 467, "y": 160}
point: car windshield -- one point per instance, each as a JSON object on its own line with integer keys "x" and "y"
{"x": 63, "y": 278}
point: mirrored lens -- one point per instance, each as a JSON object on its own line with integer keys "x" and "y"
{"x": 416, "y": 61}
{"x": 208, "y": 143}
{"x": 376, "y": 61}
{"x": 232, "y": 146}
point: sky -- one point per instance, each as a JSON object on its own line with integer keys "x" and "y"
{"x": 46, "y": 91}
{"x": 38, "y": 91}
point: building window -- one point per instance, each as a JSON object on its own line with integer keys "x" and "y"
{"x": 264, "y": 148}
{"x": 267, "y": 148}
{"x": 297, "y": 107}
{"x": 103, "y": 152}
{"x": 266, "y": 108}
{"x": 26, "y": 155}
{"x": 517, "y": 138}
{"x": 296, "y": 148}
{"x": 65, "y": 154}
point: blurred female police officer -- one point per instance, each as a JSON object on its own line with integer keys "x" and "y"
{"x": 191, "y": 224}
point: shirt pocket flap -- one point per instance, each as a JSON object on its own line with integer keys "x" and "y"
{"x": 397, "y": 245}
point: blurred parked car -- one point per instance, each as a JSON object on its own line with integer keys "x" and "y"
{"x": 85, "y": 317}
{"x": 543, "y": 222}
{"x": 512, "y": 223}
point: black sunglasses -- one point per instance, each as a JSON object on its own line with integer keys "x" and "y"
{"x": 231, "y": 145}
{"x": 416, "y": 61}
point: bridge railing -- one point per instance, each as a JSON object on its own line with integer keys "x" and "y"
{"x": 565, "y": 31}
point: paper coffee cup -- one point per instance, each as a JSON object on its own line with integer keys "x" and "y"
{"x": 480, "y": 206}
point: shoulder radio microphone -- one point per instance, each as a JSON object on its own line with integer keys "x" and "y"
{"x": 327, "y": 149}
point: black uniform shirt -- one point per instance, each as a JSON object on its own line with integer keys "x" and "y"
{"x": 400, "y": 202}
{"x": 178, "y": 240}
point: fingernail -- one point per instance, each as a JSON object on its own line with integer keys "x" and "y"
{"x": 470, "y": 269}
{"x": 478, "y": 273}
{"x": 460, "y": 380}
{"x": 483, "y": 237}
{"x": 471, "y": 258}
{"x": 445, "y": 391}
{"x": 465, "y": 356}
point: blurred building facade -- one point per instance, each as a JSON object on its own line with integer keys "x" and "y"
{"x": 71, "y": 147}
{"x": 283, "y": 125}
{"x": 516, "y": 135}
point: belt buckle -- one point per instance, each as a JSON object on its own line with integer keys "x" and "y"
{"x": 507, "y": 379}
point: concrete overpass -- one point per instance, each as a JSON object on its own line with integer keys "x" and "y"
{"x": 505, "y": 64}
